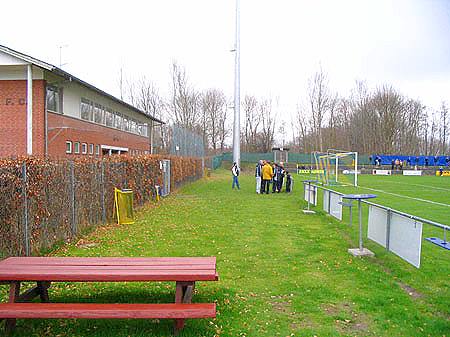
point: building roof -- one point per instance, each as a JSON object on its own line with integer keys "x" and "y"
{"x": 58, "y": 71}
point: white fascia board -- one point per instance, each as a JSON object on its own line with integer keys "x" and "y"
{"x": 26, "y": 58}
{"x": 115, "y": 148}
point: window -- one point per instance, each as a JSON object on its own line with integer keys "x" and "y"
{"x": 84, "y": 148}
{"x": 118, "y": 121}
{"x": 91, "y": 148}
{"x": 98, "y": 113}
{"x": 125, "y": 124}
{"x": 53, "y": 99}
{"x": 97, "y": 149}
{"x": 86, "y": 109}
{"x": 68, "y": 147}
{"x": 109, "y": 117}
{"x": 143, "y": 129}
{"x": 76, "y": 147}
{"x": 133, "y": 125}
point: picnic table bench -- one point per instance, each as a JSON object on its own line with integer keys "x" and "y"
{"x": 185, "y": 271}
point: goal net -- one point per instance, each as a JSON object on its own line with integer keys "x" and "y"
{"x": 337, "y": 167}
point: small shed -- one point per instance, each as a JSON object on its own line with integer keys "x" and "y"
{"x": 280, "y": 154}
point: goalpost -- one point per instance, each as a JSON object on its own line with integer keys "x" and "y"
{"x": 337, "y": 167}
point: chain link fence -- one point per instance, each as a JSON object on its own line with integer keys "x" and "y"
{"x": 44, "y": 201}
{"x": 186, "y": 143}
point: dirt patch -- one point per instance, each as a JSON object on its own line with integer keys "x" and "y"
{"x": 305, "y": 324}
{"x": 347, "y": 320}
{"x": 410, "y": 290}
{"x": 281, "y": 306}
{"x": 84, "y": 244}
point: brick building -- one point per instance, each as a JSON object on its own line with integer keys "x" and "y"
{"x": 47, "y": 111}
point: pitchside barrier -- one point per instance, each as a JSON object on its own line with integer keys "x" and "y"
{"x": 398, "y": 232}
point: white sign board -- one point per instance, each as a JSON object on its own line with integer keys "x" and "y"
{"x": 326, "y": 195}
{"x": 351, "y": 172}
{"x": 406, "y": 238}
{"x": 312, "y": 194}
{"x": 381, "y": 172}
{"x": 412, "y": 173}
{"x": 377, "y": 229}
{"x": 336, "y": 206}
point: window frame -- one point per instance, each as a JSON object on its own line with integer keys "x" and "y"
{"x": 69, "y": 150}
{"x": 57, "y": 96}
{"x": 84, "y": 148}
{"x": 91, "y": 148}
{"x": 76, "y": 147}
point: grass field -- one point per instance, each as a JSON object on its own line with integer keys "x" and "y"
{"x": 282, "y": 273}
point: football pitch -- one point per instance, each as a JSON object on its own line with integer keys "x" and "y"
{"x": 282, "y": 272}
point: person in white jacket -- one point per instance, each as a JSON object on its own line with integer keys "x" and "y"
{"x": 258, "y": 173}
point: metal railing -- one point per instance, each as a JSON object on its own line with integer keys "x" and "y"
{"x": 412, "y": 217}
{"x": 380, "y": 232}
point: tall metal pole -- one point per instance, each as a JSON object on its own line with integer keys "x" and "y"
{"x": 29, "y": 109}
{"x": 237, "y": 91}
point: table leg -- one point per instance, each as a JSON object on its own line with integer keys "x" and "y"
{"x": 183, "y": 294}
{"x": 360, "y": 226}
{"x": 43, "y": 290}
{"x": 14, "y": 292}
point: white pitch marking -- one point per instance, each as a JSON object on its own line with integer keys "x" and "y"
{"x": 432, "y": 187}
{"x": 405, "y": 196}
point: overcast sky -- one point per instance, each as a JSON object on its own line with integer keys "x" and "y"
{"x": 405, "y": 43}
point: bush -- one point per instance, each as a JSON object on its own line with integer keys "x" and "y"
{"x": 44, "y": 201}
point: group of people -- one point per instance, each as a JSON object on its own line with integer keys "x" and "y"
{"x": 266, "y": 174}
{"x": 275, "y": 174}
{"x": 397, "y": 164}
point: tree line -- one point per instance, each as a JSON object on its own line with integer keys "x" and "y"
{"x": 381, "y": 120}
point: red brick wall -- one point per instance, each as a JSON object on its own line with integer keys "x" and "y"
{"x": 13, "y": 117}
{"x": 62, "y": 128}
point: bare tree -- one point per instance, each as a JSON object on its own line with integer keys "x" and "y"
{"x": 223, "y": 129}
{"x": 266, "y": 136}
{"x": 252, "y": 122}
{"x": 303, "y": 126}
{"x": 319, "y": 101}
{"x": 443, "y": 130}
{"x": 214, "y": 110}
{"x": 185, "y": 101}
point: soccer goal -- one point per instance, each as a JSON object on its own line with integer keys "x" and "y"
{"x": 337, "y": 167}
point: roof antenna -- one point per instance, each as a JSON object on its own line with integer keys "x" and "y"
{"x": 60, "y": 55}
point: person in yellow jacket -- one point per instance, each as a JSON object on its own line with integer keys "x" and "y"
{"x": 267, "y": 174}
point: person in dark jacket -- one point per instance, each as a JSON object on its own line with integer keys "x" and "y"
{"x": 281, "y": 173}
{"x": 289, "y": 182}
{"x": 275, "y": 178}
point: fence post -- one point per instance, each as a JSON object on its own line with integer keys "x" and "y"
{"x": 25, "y": 209}
{"x": 388, "y": 228}
{"x": 203, "y": 166}
{"x": 124, "y": 165}
{"x": 72, "y": 197}
{"x": 103, "y": 191}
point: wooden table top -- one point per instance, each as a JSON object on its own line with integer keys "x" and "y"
{"x": 108, "y": 269}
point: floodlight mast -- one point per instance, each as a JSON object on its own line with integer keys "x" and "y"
{"x": 237, "y": 98}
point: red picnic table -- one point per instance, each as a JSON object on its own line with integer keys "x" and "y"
{"x": 185, "y": 271}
